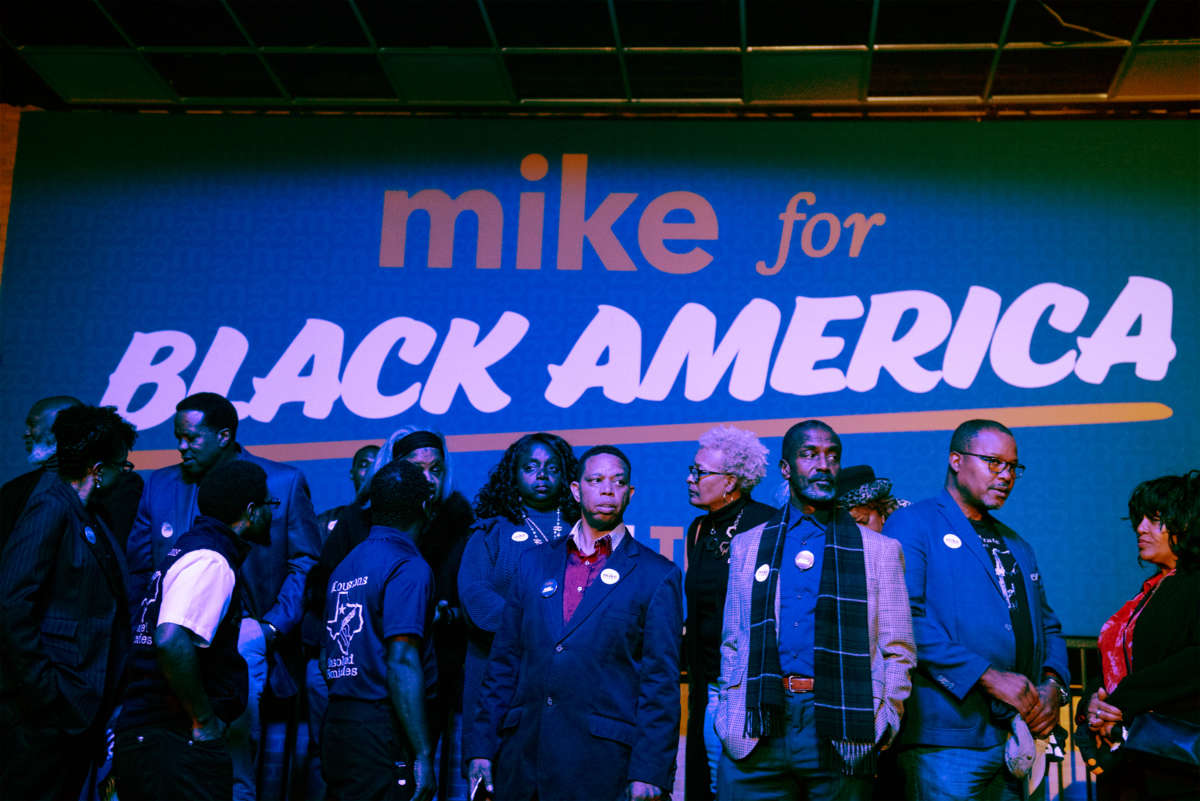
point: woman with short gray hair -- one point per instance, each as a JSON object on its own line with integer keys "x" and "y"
{"x": 728, "y": 465}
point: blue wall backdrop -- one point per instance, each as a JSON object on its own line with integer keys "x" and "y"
{"x": 633, "y": 282}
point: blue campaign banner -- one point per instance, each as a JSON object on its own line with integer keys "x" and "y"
{"x": 634, "y": 282}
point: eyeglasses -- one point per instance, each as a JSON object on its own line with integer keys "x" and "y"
{"x": 696, "y": 472}
{"x": 997, "y": 465}
{"x": 272, "y": 502}
{"x": 124, "y": 466}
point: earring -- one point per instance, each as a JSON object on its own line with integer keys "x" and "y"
{"x": 99, "y": 481}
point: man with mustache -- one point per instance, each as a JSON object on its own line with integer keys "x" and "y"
{"x": 817, "y": 642}
{"x": 991, "y": 653}
{"x": 580, "y": 698}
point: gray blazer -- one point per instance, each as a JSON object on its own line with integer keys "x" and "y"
{"x": 893, "y": 651}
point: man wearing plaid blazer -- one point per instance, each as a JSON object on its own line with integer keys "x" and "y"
{"x": 818, "y": 641}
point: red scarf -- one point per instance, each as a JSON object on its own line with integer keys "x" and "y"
{"x": 1116, "y": 635}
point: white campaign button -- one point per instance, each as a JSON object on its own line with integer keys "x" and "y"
{"x": 520, "y": 536}
{"x": 952, "y": 541}
{"x": 167, "y": 529}
{"x": 805, "y": 559}
{"x": 609, "y": 576}
{"x": 763, "y": 571}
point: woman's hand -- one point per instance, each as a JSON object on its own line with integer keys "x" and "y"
{"x": 1102, "y": 716}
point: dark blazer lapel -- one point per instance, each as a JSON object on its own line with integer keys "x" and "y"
{"x": 100, "y": 539}
{"x": 623, "y": 560}
{"x": 962, "y": 528}
{"x": 553, "y": 564}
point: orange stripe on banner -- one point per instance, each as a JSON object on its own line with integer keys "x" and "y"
{"x": 1077, "y": 414}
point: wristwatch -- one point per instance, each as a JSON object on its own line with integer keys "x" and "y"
{"x": 1064, "y": 697}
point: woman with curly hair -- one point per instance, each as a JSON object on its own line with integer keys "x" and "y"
{"x": 1150, "y": 649}
{"x": 728, "y": 465}
{"x": 526, "y": 502}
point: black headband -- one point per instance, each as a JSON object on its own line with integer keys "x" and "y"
{"x": 417, "y": 439}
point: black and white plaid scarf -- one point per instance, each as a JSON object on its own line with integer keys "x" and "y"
{"x": 844, "y": 701}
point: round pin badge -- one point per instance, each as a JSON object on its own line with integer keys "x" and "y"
{"x": 167, "y": 529}
{"x": 952, "y": 541}
{"x": 549, "y": 588}
{"x": 805, "y": 559}
{"x": 520, "y": 536}
{"x": 609, "y": 576}
{"x": 89, "y": 535}
{"x": 763, "y": 571}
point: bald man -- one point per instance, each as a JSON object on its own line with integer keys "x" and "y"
{"x": 118, "y": 507}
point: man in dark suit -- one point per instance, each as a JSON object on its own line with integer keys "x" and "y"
{"x": 118, "y": 505}
{"x": 64, "y": 620}
{"x": 580, "y": 699}
{"x": 990, "y": 650}
{"x": 206, "y": 428}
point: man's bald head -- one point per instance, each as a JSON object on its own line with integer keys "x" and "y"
{"x": 39, "y": 437}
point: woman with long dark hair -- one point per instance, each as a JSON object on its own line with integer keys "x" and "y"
{"x": 1150, "y": 649}
{"x": 526, "y": 502}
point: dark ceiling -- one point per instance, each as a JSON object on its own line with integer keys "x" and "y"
{"x": 742, "y": 57}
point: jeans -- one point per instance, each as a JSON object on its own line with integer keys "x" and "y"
{"x": 244, "y": 733}
{"x": 788, "y": 766}
{"x": 934, "y": 773}
{"x": 318, "y": 702}
{"x": 712, "y": 743}
{"x": 152, "y": 763}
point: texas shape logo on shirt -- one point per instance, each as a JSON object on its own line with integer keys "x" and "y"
{"x": 347, "y": 621}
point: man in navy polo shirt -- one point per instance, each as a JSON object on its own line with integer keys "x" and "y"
{"x": 379, "y": 656}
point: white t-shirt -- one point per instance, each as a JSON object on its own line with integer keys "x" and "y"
{"x": 196, "y": 592}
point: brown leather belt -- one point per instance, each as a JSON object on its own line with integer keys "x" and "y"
{"x": 797, "y": 684}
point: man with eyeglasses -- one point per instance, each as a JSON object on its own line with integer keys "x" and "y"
{"x": 206, "y": 426}
{"x": 991, "y": 657}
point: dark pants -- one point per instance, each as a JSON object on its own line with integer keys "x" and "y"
{"x": 1137, "y": 776}
{"x": 43, "y": 763}
{"x": 152, "y": 763}
{"x": 364, "y": 752}
{"x": 788, "y": 766}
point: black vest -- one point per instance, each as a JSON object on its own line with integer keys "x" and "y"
{"x": 148, "y": 697}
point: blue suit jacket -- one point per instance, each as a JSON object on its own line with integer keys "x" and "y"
{"x": 273, "y": 574}
{"x": 962, "y": 624}
{"x": 579, "y": 710}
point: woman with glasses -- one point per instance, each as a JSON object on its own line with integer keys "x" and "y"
{"x": 728, "y": 465}
{"x": 526, "y": 502}
{"x": 1150, "y": 650}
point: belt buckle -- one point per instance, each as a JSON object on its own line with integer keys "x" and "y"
{"x": 797, "y": 684}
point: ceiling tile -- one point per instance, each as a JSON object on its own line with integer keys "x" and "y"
{"x": 1163, "y": 72}
{"x": 215, "y": 74}
{"x": 331, "y": 75}
{"x": 804, "y": 76}
{"x": 84, "y": 76}
{"x": 448, "y": 77}
{"x": 565, "y": 75}
{"x": 951, "y": 73}
{"x": 1172, "y": 20}
{"x": 1056, "y": 71}
{"x": 787, "y": 22}
{"x": 179, "y": 23}
{"x": 56, "y": 22}
{"x": 551, "y": 23}
{"x": 680, "y": 75}
{"x": 678, "y": 23}
{"x": 419, "y": 23}
{"x": 940, "y": 21}
{"x": 299, "y": 23}
{"x": 1033, "y": 21}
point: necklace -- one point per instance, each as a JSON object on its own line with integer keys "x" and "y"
{"x": 718, "y": 543}
{"x": 539, "y": 535}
